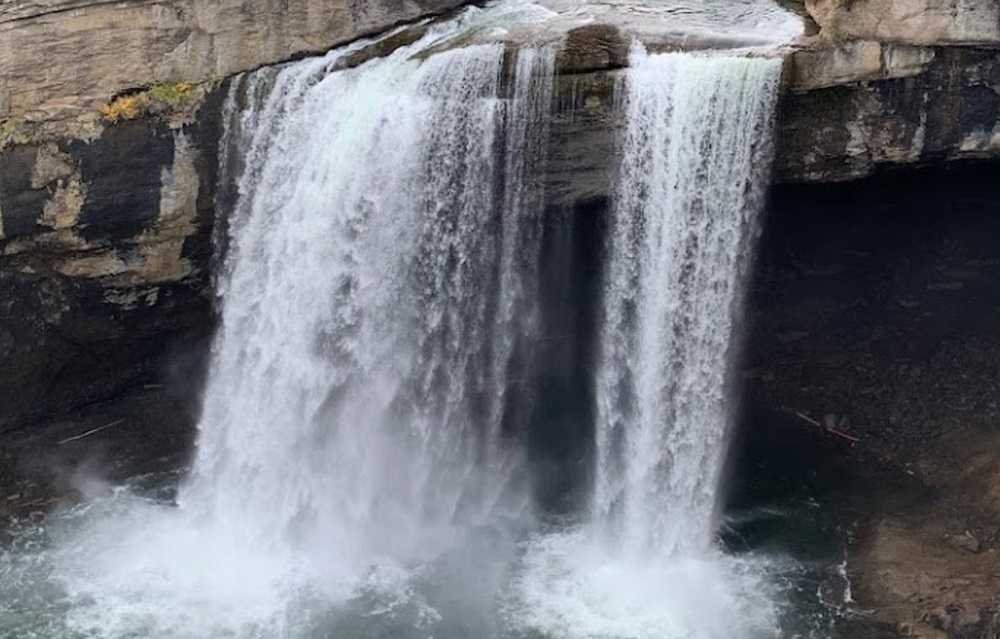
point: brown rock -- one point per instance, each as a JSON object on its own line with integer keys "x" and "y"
{"x": 921, "y": 582}
{"x": 921, "y": 22}
{"x": 592, "y": 48}
{"x": 92, "y": 50}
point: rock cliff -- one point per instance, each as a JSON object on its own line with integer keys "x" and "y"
{"x": 916, "y": 22}
{"x": 109, "y": 127}
{"x": 110, "y": 124}
{"x": 890, "y": 83}
{"x": 109, "y": 130}
{"x": 61, "y": 59}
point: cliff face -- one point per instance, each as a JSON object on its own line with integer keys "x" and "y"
{"x": 110, "y": 119}
{"x": 61, "y": 59}
{"x": 889, "y": 83}
{"x": 918, "y": 22}
{"x": 104, "y": 255}
{"x": 106, "y": 219}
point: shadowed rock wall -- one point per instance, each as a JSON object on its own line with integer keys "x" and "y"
{"x": 106, "y": 227}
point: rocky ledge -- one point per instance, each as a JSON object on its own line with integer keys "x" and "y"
{"x": 109, "y": 129}
{"x": 107, "y": 168}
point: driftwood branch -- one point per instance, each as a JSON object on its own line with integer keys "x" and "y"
{"x": 89, "y": 432}
{"x": 832, "y": 431}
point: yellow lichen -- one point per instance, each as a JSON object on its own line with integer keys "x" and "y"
{"x": 126, "y": 107}
{"x": 13, "y": 132}
{"x": 159, "y": 99}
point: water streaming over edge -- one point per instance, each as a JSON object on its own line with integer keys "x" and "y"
{"x": 695, "y": 165}
{"x": 695, "y": 155}
{"x": 355, "y": 417}
{"x": 379, "y": 293}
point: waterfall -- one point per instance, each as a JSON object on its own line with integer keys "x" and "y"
{"x": 363, "y": 415}
{"x": 695, "y": 156}
{"x": 361, "y": 448}
{"x": 378, "y": 295}
{"x": 695, "y": 163}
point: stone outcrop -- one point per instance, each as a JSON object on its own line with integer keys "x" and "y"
{"x": 856, "y": 106}
{"x": 106, "y": 218}
{"x": 891, "y": 82}
{"x": 61, "y": 59}
{"x": 920, "y": 22}
{"x": 104, "y": 262}
{"x": 115, "y": 220}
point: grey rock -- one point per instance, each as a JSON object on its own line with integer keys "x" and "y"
{"x": 965, "y": 541}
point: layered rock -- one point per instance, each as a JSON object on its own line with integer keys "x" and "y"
{"x": 104, "y": 258}
{"x": 891, "y": 82}
{"x": 921, "y": 22}
{"x": 109, "y": 127}
{"x": 856, "y": 106}
{"x": 114, "y": 214}
{"x": 61, "y": 59}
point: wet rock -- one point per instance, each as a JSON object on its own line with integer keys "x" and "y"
{"x": 923, "y": 585}
{"x": 592, "y": 48}
{"x": 842, "y": 123}
{"x": 825, "y": 64}
{"x": 104, "y": 262}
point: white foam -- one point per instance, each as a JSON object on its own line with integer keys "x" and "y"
{"x": 570, "y": 586}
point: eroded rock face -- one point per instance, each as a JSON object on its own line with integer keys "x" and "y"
{"x": 873, "y": 312}
{"x": 92, "y": 50}
{"x": 106, "y": 228}
{"x": 104, "y": 259}
{"x": 117, "y": 218}
{"x": 904, "y": 105}
{"x": 923, "y": 22}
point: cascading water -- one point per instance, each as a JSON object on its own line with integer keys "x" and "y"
{"x": 380, "y": 317}
{"x": 695, "y": 160}
{"x": 361, "y": 373}
{"x": 695, "y": 164}
{"x": 378, "y": 296}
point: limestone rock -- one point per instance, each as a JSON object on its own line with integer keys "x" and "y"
{"x": 593, "y": 47}
{"x": 106, "y": 230}
{"x": 920, "y": 22}
{"x": 93, "y": 50}
{"x": 104, "y": 261}
{"x": 827, "y": 65}
{"x": 932, "y": 105}
{"x": 924, "y": 585}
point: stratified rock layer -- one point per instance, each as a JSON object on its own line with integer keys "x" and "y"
{"x": 114, "y": 221}
{"x": 924, "y": 22}
{"x": 854, "y": 107}
{"x": 61, "y": 59}
{"x": 106, "y": 229}
{"x": 104, "y": 261}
